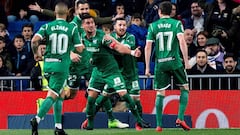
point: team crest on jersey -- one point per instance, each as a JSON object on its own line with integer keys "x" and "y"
{"x": 95, "y": 41}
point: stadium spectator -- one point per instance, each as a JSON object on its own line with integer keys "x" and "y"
{"x": 120, "y": 10}
{"x": 215, "y": 54}
{"x": 150, "y": 12}
{"x": 37, "y": 70}
{"x": 82, "y": 6}
{"x": 4, "y": 71}
{"x": 20, "y": 12}
{"x": 3, "y": 15}
{"x": 218, "y": 20}
{"x": 5, "y": 55}
{"x": 27, "y": 32}
{"x": 3, "y": 33}
{"x": 233, "y": 34}
{"x": 22, "y": 62}
{"x": 188, "y": 36}
{"x": 107, "y": 28}
{"x": 201, "y": 67}
{"x": 202, "y": 38}
{"x": 139, "y": 31}
{"x": 230, "y": 68}
{"x": 196, "y": 21}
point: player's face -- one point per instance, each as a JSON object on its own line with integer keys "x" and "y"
{"x": 229, "y": 64}
{"x": 27, "y": 33}
{"x": 201, "y": 39}
{"x": 120, "y": 27}
{"x": 201, "y": 59}
{"x": 89, "y": 25}
{"x": 83, "y": 8}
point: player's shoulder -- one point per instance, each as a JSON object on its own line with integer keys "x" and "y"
{"x": 100, "y": 32}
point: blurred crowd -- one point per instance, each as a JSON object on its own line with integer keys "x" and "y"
{"x": 211, "y": 30}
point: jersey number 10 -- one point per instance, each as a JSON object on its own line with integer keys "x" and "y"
{"x": 59, "y": 43}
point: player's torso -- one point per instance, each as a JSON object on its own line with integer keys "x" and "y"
{"x": 59, "y": 43}
{"x": 127, "y": 63}
{"x": 102, "y": 56}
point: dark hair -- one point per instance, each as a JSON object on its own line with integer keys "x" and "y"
{"x": 3, "y": 61}
{"x": 120, "y": 4}
{"x": 85, "y": 16}
{"x": 227, "y": 55}
{"x": 165, "y": 7}
{"x": 137, "y": 16}
{"x": 19, "y": 36}
{"x": 77, "y": 2}
{"x": 119, "y": 19}
{"x": 28, "y": 25}
{"x": 201, "y": 50}
{"x": 2, "y": 39}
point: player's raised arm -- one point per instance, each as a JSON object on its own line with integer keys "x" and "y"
{"x": 121, "y": 48}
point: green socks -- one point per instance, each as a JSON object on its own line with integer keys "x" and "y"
{"x": 139, "y": 107}
{"x": 183, "y": 104}
{"x": 159, "y": 107}
{"x": 57, "y": 106}
{"x": 90, "y": 111}
{"x": 132, "y": 107}
{"x": 46, "y": 105}
{"x": 108, "y": 108}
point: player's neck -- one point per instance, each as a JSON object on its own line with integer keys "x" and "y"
{"x": 164, "y": 16}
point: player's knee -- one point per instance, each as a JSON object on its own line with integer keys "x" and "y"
{"x": 72, "y": 95}
{"x": 185, "y": 87}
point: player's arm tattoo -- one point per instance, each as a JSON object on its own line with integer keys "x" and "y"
{"x": 35, "y": 47}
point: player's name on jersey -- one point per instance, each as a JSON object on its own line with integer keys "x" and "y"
{"x": 164, "y": 25}
{"x": 58, "y": 27}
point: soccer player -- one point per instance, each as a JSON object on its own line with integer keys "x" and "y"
{"x": 60, "y": 38}
{"x": 128, "y": 63}
{"x": 106, "y": 70}
{"x": 167, "y": 33}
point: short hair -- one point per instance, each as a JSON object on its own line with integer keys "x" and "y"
{"x": 61, "y": 8}
{"x": 165, "y": 7}
{"x": 231, "y": 55}
{"x": 119, "y": 19}
{"x": 2, "y": 39}
{"x": 2, "y": 26}
{"x": 77, "y": 2}
{"x": 85, "y": 16}
{"x": 19, "y": 36}
{"x": 202, "y": 50}
{"x": 137, "y": 16}
{"x": 28, "y": 25}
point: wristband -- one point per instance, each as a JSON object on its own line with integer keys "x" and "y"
{"x": 133, "y": 52}
{"x": 112, "y": 45}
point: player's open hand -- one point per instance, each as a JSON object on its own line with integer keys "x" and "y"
{"x": 137, "y": 52}
{"x": 75, "y": 57}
